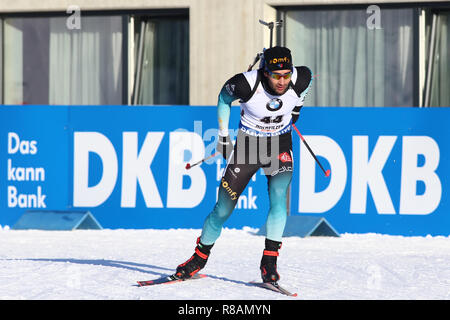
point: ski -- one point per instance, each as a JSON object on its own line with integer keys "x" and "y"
{"x": 169, "y": 279}
{"x": 274, "y": 286}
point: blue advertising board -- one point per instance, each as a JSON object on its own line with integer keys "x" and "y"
{"x": 388, "y": 169}
{"x": 126, "y": 165}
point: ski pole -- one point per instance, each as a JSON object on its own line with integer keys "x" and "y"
{"x": 188, "y": 165}
{"x": 327, "y": 172}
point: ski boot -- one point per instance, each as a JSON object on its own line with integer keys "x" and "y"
{"x": 195, "y": 263}
{"x": 269, "y": 261}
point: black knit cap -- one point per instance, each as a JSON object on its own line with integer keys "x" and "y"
{"x": 278, "y": 58}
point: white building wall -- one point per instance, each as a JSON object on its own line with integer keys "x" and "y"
{"x": 225, "y": 35}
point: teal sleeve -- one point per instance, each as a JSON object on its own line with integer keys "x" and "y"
{"x": 223, "y": 110}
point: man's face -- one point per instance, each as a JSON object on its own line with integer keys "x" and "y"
{"x": 279, "y": 80}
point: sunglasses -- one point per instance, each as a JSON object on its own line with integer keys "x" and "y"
{"x": 278, "y": 76}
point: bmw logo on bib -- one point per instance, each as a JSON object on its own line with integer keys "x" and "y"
{"x": 274, "y": 104}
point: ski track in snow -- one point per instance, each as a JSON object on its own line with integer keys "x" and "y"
{"x": 105, "y": 265}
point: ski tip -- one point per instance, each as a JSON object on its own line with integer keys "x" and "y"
{"x": 274, "y": 286}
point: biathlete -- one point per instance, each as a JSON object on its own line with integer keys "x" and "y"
{"x": 270, "y": 98}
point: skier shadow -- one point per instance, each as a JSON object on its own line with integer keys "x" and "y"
{"x": 230, "y": 280}
{"x": 133, "y": 266}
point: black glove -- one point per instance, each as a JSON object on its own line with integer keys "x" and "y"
{"x": 296, "y": 113}
{"x": 224, "y": 146}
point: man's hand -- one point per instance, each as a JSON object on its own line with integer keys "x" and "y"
{"x": 224, "y": 146}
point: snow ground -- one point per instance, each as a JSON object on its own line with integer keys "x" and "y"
{"x": 105, "y": 265}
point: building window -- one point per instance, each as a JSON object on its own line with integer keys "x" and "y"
{"x": 354, "y": 65}
{"x": 45, "y": 62}
{"x": 437, "y": 63}
{"x": 161, "y": 60}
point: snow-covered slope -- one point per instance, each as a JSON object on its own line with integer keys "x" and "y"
{"x": 105, "y": 264}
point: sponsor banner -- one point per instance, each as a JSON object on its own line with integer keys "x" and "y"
{"x": 34, "y": 160}
{"x": 388, "y": 169}
{"x": 124, "y": 164}
{"x": 127, "y": 166}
